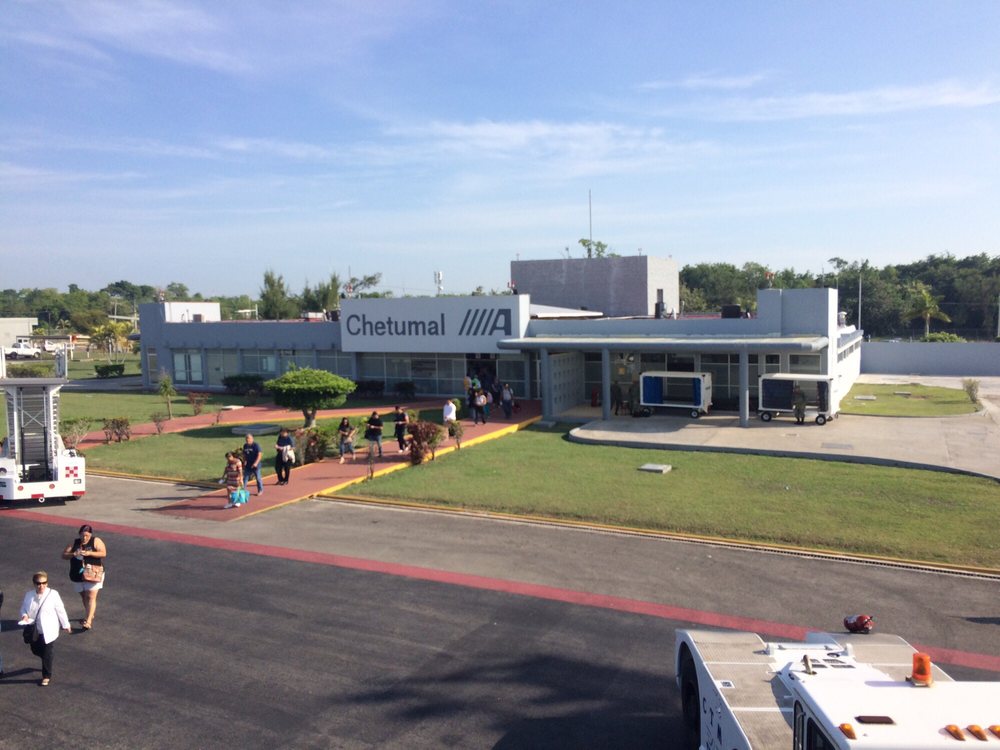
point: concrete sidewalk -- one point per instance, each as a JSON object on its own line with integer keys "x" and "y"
{"x": 964, "y": 444}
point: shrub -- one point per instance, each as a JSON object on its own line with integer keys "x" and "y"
{"x": 197, "y": 401}
{"x": 971, "y": 387}
{"x": 456, "y": 430}
{"x": 117, "y": 429}
{"x": 426, "y": 437}
{"x": 942, "y": 337}
{"x": 241, "y": 385}
{"x": 369, "y": 389}
{"x": 32, "y": 370}
{"x": 73, "y": 431}
{"x": 318, "y": 442}
{"x": 406, "y": 389}
{"x": 109, "y": 371}
{"x": 159, "y": 421}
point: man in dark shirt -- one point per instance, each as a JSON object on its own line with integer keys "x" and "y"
{"x": 373, "y": 433}
{"x": 251, "y": 463}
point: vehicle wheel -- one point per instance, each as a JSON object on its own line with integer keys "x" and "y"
{"x": 766, "y": 416}
{"x": 41, "y": 500}
{"x": 695, "y": 414}
{"x": 821, "y": 420}
{"x": 690, "y": 699}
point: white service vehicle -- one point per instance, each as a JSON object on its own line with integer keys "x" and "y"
{"x": 832, "y": 692}
{"x": 34, "y": 462}
{"x": 23, "y": 350}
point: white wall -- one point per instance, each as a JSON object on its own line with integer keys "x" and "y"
{"x": 915, "y": 358}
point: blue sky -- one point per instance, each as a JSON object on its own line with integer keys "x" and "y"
{"x": 206, "y": 141}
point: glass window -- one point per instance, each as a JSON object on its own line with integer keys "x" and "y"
{"x": 371, "y": 366}
{"x": 152, "y": 367}
{"x": 811, "y": 363}
{"x": 680, "y": 362}
{"x": 259, "y": 361}
{"x": 187, "y": 366}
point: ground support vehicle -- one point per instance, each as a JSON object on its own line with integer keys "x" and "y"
{"x": 22, "y": 350}
{"x": 34, "y": 462}
{"x": 832, "y": 692}
{"x": 678, "y": 390}
{"x": 775, "y": 395}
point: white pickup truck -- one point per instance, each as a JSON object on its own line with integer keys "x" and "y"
{"x": 22, "y": 350}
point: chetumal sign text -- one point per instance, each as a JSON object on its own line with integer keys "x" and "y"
{"x": 438, "y": 325}
{"x": 476, "y": 322}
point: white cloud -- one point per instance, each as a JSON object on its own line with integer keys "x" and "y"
{"x": 867, "y": 102}
{"x": 705, "y": 81}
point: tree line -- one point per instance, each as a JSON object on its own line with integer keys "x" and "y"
{"x": 940, "y": 295}
{"x": 952, "y": 296}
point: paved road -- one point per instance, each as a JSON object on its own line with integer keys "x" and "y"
{"x": 196, "y": 647}
{"x": 327, "y": 624}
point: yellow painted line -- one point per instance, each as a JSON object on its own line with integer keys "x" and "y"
{"x": 653, "y": 533}
{"x": 151, "y": 478}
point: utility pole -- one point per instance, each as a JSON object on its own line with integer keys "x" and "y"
{"x": 859, "y": 299}
{"x": 590, "y": 214}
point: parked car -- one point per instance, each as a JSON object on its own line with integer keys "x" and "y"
{"x": 22, "y": 350}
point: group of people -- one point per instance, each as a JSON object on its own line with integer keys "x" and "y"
{"x": 374, "y": 427}
{"x": 43, "y": 614}
{"x": 483, "y": 393}
{"x": 243, "y": 465}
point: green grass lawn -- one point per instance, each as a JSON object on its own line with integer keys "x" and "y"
{"x": 136, "y": 406}
{"x": 921, "y": 515}
{"x": 922, "y": 401}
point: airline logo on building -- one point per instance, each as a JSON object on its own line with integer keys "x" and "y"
{"x": 431, "y": 324}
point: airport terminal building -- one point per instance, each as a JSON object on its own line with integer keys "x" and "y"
{"x": 566, "y": 356}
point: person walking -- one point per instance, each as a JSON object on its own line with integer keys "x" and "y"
{"x": 251, "y": 463}
{"x": 86, "y": 570}
{"x": 233, "y": 478}
{"x": 402, "y": 419}
{"x": 479, "y": 407}
{"x": 285, "y": 457}
{"x": 346, "y": 432}
{"x": 507, "y": 400}
{"x": 43, "y": 611}
{"x": 373, "y": 432}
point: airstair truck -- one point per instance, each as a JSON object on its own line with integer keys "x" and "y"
{"x": 831, "y": 692}
{"x": 34, "y": 462}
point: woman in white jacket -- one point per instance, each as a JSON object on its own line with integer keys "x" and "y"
{"x": 44, "y": 608}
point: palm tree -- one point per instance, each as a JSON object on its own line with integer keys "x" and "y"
{"x": 922, "y": 304}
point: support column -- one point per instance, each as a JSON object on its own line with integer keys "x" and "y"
{"x": 744, "y": 388}
{"x": 545, "y": 370}
{"x": 605, "y": 384}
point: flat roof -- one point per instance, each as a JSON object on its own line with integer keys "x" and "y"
{"x": 675, "y": 343}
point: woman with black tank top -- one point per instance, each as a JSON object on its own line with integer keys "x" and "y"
{"x": 87, "y": 549}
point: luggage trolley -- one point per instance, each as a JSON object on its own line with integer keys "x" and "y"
{"x": 678, "y": 390}
{"x": 775, "y": 395}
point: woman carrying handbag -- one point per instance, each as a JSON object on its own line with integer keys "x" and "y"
{"x": 42, "y": 615}
{"x": 86, "y": 570}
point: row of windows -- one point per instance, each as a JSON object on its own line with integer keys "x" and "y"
{"x": 432, "y": 374}
{"x": 848, "y": 351}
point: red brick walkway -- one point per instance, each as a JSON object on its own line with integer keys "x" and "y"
{"x": 330, "y": 475}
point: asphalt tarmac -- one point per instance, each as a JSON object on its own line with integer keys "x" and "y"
{"x": 332, "y": 625}
{"x": 196, "y": 647}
